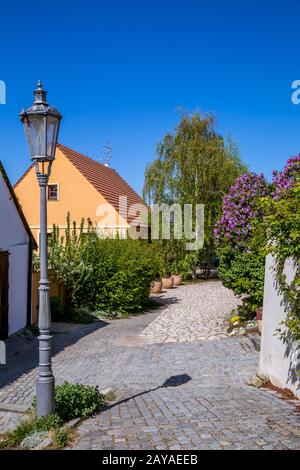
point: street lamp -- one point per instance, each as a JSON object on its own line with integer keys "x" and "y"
{"x": 41, "y": 124}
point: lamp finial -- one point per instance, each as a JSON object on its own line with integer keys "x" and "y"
{"x": 40, "y": 94}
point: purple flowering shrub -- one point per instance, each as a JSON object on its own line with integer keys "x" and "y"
{"x": 241, "y": 235}
{"x": 234, "y": 228}
{"x": 241, "y": 263}
{"x": 284, "y": 180}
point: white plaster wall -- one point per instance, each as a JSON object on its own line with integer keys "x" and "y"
{"x": 18, "y": 276}
{"x": 15, "y": 240}
{"x": 279, "y": 361}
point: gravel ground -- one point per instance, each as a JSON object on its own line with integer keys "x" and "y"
{"x": 193, "y": 312}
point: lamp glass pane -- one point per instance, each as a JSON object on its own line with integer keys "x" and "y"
{"x": 52, "y": 129}
{"x": 36, "y": 135}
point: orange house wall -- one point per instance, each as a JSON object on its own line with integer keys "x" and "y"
{"x": 76, "y": 195}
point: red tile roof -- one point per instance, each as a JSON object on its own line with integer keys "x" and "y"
{"x": 104, "y": 179}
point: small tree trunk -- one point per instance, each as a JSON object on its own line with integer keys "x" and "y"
{"x": 194, "y": 272}
{"x": 208, "y": 268}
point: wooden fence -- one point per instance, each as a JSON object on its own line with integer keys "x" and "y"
{"x": 55, "y": 290}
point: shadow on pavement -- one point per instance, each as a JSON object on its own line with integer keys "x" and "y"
{"x": 22, "y": 348}
{"x": 173, "y": 381}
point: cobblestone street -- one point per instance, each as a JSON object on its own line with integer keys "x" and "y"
{"x": 180, "y": 383}
{"x": 196, "y": 313}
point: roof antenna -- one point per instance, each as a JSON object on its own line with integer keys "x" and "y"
{"x": 106, "y": 152}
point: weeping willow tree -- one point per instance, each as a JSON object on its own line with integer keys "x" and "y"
{"x": 194, "y": 165}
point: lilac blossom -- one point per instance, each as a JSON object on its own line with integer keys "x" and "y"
{"x": 284, "y": 180}
{"x": 239, "y": 208}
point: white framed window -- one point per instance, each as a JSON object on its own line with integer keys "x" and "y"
{"x": 53, "y": 192}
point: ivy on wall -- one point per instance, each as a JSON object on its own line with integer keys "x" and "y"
{"x": 282, "y": 227}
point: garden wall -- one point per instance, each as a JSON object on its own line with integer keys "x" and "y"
{"x": 278, "y": 360}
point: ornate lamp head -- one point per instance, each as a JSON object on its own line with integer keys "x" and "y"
{"x": 41, "y": 123}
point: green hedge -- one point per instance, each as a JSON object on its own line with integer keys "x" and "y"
{"x": 77, "y": 400}
{"x": 109, "y": 275}
{"x": 243, "y": 272}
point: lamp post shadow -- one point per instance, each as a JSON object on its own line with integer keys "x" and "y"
{"x": 173, "y": 381}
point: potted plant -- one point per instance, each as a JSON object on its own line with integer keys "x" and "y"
{"x": 167, "y": 280}
{"x": 156, "y": 286}
{"x": 177, "y": 279}
{"x": 259, "y": 314}
{"x": 165, "y": 261}
{"x": 177, "y": 276}
{"x": 178, "y": 269}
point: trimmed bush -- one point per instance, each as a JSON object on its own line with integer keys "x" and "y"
{"x": 77, "y": 400}
{"x": 243, "y": 272}
{"x": 109, "y": 275}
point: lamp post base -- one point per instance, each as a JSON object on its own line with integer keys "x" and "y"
{"x": 45, "y": 383}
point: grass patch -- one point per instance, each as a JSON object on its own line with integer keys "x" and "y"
{"x": 61, "y": 437}
{"x": 110, "y": 396}
{"x": 4, "y": 441}
{"x": 23, "y": 430}
{"x": 71, "y": 401}
{"x": 48, "y": 423}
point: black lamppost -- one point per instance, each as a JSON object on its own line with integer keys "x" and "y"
{"x": 41, "y": 123}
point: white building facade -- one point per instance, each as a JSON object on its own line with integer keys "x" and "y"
{"x": 279, "y": 360}
{"x": 16, "y": 244}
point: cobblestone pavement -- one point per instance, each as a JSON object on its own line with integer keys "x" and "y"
{"x": 197, "y": 313}
{"x": 175, "y": 395}
{"x": 193, "y": 396}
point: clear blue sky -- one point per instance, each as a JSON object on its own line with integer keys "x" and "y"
{"x": 119, "y": 70}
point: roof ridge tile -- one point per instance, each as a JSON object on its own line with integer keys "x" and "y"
{"x": 99, "y": 180}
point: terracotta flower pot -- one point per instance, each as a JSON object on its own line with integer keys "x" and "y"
{"x": 259, "y": 326}
{"x": 259, "y": 315}
{"x": 156, "y": 287}
{"x": 177, "y": 279}
{"x": 167, "y": 282}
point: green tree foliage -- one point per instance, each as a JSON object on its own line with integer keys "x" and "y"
{"x": 194, "y": 166}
